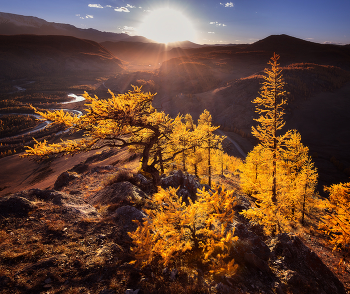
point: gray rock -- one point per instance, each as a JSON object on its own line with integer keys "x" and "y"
{"x": 173, "y": 274}
{"x": 188, "y": 184}
{"x": 131, "y": 291}
{"x": 124, "y": 217}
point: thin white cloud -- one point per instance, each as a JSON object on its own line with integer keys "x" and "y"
{"x": 89, "y": 16}
{"x": 77, "y": 15}
{"x": 211, "y": 32}
{"x": 96, "y": 5}
{"x": 217, "y": 24}
{"x": 128, "y": 28}
{"x": 228, "y": 4}
{"x": 122, "y": 9}
{"x": 109, "y": 6}
{"x": 129, "y": 6}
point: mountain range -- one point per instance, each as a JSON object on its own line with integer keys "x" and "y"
{"x": 190, "y": 78}
{"x": 14, "y": 24}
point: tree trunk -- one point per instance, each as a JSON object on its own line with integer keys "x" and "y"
{"x": 209, "y": 166}
{"x": 145, "y": 158}
{"x": 303, "y": 212}
{"x": 195, "y": 164}
{"x": 274, "y": 173}
{"x": 183, "y": 160}
{"x": 161, "y": 161}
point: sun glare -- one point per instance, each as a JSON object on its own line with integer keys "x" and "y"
{"x": 167, "y": 25}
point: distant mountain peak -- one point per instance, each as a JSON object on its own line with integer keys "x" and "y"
{"x": 15, "y": 24}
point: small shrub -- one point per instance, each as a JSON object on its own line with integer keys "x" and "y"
{"x": 120, "y": 176}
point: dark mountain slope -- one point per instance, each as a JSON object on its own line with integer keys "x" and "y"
{"x": 32, "y": 55}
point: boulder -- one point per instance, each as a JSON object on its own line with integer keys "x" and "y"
{"x": 188, "y": 184}
{"x": 15, "y": 205}
{"x": 64, "y": 179}
{"x": 124, "y": 217}
{"x": 121, "y": 193}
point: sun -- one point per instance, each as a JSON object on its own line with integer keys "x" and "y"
{"x": 166, "y": 25}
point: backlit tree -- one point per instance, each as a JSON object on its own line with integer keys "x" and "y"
{"x": 124, "y": 120}
{"x": 194, "y": 237}
{"x": 270, "y": 106}
{"x": 278, "y": 172}
{"x": 336, "y": 221}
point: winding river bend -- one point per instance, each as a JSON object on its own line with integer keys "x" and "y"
{"x": 45, "y": 123}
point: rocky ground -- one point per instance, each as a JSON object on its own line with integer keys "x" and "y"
{"x": 72, "y": 238}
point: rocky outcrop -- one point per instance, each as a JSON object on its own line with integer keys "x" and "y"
{"x": 74, "y": 206}
{"x": 301, "y": 270}
{"x": 285, "y": 265}
{"x": 121, "y": 193}
{"x": 15, "y": 205}
{"x": 124, "y": 217}
{"x": 188, "y": 184}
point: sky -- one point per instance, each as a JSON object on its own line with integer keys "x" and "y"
{"x": 202, "y": 21}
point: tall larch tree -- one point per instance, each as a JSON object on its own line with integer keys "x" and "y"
{"x": 278, "y": 172}
{"x": 270, "y": 107}
{"x": 209, "y": 140}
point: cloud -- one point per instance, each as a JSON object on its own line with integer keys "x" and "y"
{"x": 228, "y": 4}
{"x": 89, "y": 16}
{"x": 129, "y": 6}
{"x": 211, "y": 32}
{"x": 109, "y": 6}
{"x": 217, "y": 24}
{"x": 96, "y": 5}
{"x": 128, "y": 28}
{"x": 122, "y": 9}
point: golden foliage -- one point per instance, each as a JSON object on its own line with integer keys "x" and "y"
{"x": 278, "y": 172}
{"x": 191, "y": 237}
{"x": 336, "y": 221}
{"x": 127, "y": 120}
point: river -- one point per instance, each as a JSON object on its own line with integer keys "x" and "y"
{"x": 45, "y": 123}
